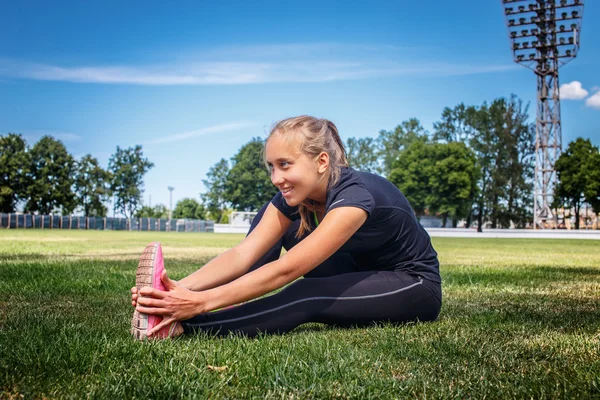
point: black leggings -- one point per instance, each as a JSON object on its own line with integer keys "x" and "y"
{"x": 336, "y": 292}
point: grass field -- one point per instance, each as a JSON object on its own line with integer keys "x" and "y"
{"x": 521, "y": 319}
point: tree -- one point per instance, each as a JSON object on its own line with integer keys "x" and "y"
{"x": 215, "y": 182}
{"x": 454, "y": 125}
{"x": 391, "y": 143}
{"x": 51, "y": 178}
{"x": 362, "y": 154}
{"x": 92, "y": 186}
{"x": 15, "y": 161}
{"x": 438, "y": 177}
{"x": 452, "y": 181}
{"x": 189, "y": 208}
{"x": 503, "y": 142}
{"x": 249, "y": 185}
{"x": 158, "y": 211}
{"x": 128, "y": 167}
{"x": 578, "y": 171}
{"x": 410, "y": 173}
{"x": 519, "y": 164}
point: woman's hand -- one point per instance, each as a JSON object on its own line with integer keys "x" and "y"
{"x": 175, "y": 304}
{"x": 134, "y": 296}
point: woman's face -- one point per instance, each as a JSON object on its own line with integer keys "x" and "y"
{"x": 295, "y": 174}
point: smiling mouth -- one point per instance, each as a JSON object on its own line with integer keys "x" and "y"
{"x": 286, "y": 190}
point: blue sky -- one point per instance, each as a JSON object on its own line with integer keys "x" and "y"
{"x": 192, "y": 81}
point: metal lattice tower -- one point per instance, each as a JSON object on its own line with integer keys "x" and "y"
{"x": 544, "y": 36}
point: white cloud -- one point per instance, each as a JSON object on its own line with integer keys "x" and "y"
{"x": 35, "y": 135}
{"x": 200, "y": 132}
{"x": 572, "y": 91}
{"x": 317, "y": 62}
{"x": 593, "y": 101}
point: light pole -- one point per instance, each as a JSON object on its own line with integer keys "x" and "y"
{"x": 544, "y": 36}
{"x": 171, "y": 188}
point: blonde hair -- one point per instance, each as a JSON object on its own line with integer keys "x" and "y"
{"x": 315, "y": 135}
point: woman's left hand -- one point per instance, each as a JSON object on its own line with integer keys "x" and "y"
{"x": 175, "y": 304}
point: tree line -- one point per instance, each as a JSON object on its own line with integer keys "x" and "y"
{"x": 46, "y": 179}
{"x": 477, "y": 165}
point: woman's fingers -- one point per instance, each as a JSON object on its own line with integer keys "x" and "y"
{"x": 152, "y": 310}
{"x": 134, "y": 296}
{"x": 150, "y": 301}
{"x": 151, "y": 292}
{"x": 162, "y": 324}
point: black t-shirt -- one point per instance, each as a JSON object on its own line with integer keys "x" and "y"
{"x": 391, "y": 238}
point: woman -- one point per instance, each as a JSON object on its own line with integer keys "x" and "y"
{"x": 352, "y": 236}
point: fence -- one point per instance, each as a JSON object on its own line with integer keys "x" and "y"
{"x": 30, "y": 221}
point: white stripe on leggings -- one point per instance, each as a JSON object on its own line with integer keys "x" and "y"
{"x": 372, "y": 296}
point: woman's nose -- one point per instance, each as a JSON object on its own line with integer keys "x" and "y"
{"x": 276, "y": 177}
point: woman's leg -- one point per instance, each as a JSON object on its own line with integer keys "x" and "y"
{"x": 353, "y": 299}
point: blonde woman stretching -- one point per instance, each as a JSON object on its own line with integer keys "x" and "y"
{"x": 352, "y": 236}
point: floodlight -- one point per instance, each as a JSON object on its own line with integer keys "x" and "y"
{"x": 544, "y": 58}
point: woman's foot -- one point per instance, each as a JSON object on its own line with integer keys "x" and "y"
{"x": 148, "y": 274}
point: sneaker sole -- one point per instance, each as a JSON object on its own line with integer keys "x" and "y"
{"x": 144, "y": 277}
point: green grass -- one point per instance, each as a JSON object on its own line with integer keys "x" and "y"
{"x": 521, "y": 319}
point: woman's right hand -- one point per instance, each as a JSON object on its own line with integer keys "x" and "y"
{"x": 134, "y": 296}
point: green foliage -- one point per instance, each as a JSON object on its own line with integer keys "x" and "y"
{"x": 92, "y": 186}
{"x": 158, "y": 211}
{"x": 249, "y": 185}
{"x": 578, "y": 170}
{"x": 215, "y": 183}
{"x": 454, "y": 125}
{"x": 391, "y": 143}
{"x": 410, "y": 173}
{"x": 441, "y": 178}
{"x": 226, "y": 215}
{"x": 452, "y": 180}
{"x": 51, "y": 175}
{"x": 503, "y": 142}
{"x": 362, "y": 154}
{"x": 15, "y": 161}
{"x": 128, "y": 167}
{"x": 189, "y": 208}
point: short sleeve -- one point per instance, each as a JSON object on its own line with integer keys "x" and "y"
{"x": 290, "y": 212}
{"x": 353, "y": 195}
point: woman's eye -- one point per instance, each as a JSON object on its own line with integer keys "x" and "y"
{"x": 284, "y": 164}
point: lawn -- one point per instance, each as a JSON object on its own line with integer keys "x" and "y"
{"x": 521, "y": 319}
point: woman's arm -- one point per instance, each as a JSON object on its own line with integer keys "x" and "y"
{"x": 335, "y": 229}
{"x": 236, "y": 261}
{"x": 179, "y": 304}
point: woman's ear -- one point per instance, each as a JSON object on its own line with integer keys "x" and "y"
{"x": 322, "y": 162}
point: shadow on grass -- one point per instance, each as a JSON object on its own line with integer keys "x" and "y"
{"x": 520, "y": 276}
{"x": 561, "y": 312}
{"x": 25, "y": 257}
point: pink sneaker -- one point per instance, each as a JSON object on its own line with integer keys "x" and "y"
{"x": 148, "y": 274}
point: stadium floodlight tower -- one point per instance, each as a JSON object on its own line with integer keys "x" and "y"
{"x": 545, "y": 35}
